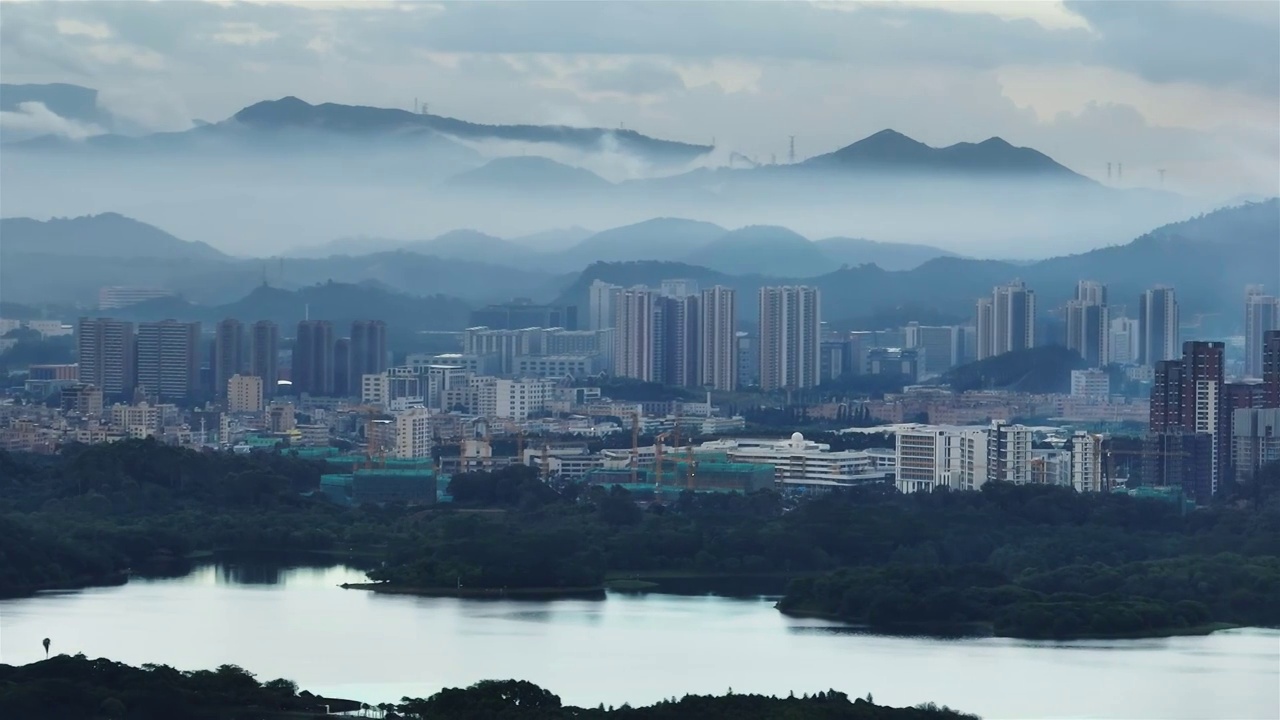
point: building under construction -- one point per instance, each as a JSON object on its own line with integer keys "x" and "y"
{"x": 698, "y": 476}
{"x": 375, "y": 486}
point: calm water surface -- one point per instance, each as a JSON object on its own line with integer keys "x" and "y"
{"x": 297, "y": 623}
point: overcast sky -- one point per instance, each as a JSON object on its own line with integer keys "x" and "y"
{"x": 1190, "y": 87}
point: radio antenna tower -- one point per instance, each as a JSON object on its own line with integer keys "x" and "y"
{"x": 1119, "y": 172}
{"x": 1161, "y": 171}
{"x": 791, "y": 154}
{"x": 1108, "y": 172}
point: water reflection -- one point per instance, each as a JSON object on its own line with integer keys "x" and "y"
{"x": 296, "y": 622}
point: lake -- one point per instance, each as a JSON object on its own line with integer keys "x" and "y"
{"x": 296, "y": 623}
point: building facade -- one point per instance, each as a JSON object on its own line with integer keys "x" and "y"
{"x": 1261, "y": 315}
{"x": 169, "y": 360}
{"x": 718, "y": 354}
{"x": 228, "y": 353}
{"x": 1158, "y": 326}
{"x": 264, "y": 354}
{"x": 790, "y": 337}
{"x": 244, "y": 394}
{"x": 106, "y": 357}
{"x": 313, "y": 358}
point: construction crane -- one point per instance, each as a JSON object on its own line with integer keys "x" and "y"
{"x": 635, "y": 445}
{"x": 693, "y": 466}
{"x": 657, "y": 462}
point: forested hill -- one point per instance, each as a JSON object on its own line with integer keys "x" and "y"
{"x": 1045, "y": 369}
{"x": 77, "y": 688}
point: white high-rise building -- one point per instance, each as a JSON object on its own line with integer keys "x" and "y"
{"x": 1158, "y": 326}
{"x": 600, "y": 301}
{"x": 635, "y": 334}
{"x": 512, "y": 399}
{"x": 1008, "y": 453}
{"x": 1261, "y": 313}
{"x": 244, "y": 394}
{"x": 790, "y": 337}
{"x": 1086, "y": 462}
{"x": 1092, "y": 383}
{"x": 1007, "y": 321}
{"x": 1124, "y": 341}
{"x": 719, "y": 351}
{"x": 412, "y": 433}
{"x": 934, "y": 456}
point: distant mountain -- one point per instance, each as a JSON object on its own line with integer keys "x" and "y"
{"x": 555, "y": 239}
{"x": 472, "y": 245}
{"x": 106, "y": 235}
{"x": 649, "y": 240}
{"x": 890, "y": 256}
{"x": 1241, "y": 245}
{"x": 529, "y": 174}
{"x": 340, "y": 303}
{"x": 762, "y": 248}
{"x": 292, "y": 112}
{"x": 891, "y": 151}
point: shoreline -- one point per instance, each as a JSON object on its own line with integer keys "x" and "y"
{"x": 987, "y": 630}
{"x": 595, "y": 592}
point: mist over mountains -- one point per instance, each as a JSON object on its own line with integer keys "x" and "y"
{"x": 464, "y": 268}
{"x": 285, "y": 173}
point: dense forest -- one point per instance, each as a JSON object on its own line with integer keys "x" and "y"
{"x": 77, "y": 688}
{"x": 1025, "y": 561}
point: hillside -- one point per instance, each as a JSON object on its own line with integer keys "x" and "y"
{"x": 656, "y": 239}
{"x": 890, "y": 256}
{"x": 1038, "y": 370}
{"x": 891, "y": 151}
{"x": 106, "y": 235}
{"x": 760, "y": 248}
{"x": 528, "y": 174}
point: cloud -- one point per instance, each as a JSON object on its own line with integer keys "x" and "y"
{"x": 71, "y": 26}
{"x": 1213, "y": 43}
{"x": 33, "y": 119}
{"x": 243, "y": 33}
{"x": 633, "y": 78}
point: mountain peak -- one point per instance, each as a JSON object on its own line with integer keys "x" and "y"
{"x": 286, "y": 110}
{"x": 891, "y": 151}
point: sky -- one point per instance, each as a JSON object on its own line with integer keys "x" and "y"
{"x": 1191, "y": 88}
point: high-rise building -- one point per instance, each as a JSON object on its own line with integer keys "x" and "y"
{"x": 790, "y": 322}
{"x": 1187, "y": 398}
{"x": 679, "y": 288}
{"x": 106, "y": 355}
{"x": 1123, "y": 345}
{"x": 1008, "y": 453}
{"x": 228, "y": 353}
{"x": 244, "y": 394}
{"x": 1086, "y": 462}
{"x": 312, "y": 370}
{"x": 938, "y": 347}
{"x": 342, "y": 386}
{"x": 718, "y": 354}
{"x": 412, "y": 437}
{"x": 748, "y": 348}
{"x": 168, "y": 359}
{"x": 264, "y": 350}
{"x": 111, "y": 298}
{"x": 1089, "y": 323}
{"x": 1006, "y": 322}
{"x": 1091, "y": 383}
{"x": 679, "y": 320}
{"x": 636, "y": 334}
{"x": 1271, "y": 369}
{"x": 1255, "y": 440}
{"x": 1157, "y": 326}
{"x": 1261, "y": 314}
{"x": 368, "y": 350}
{"x": 601, "y": 297}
